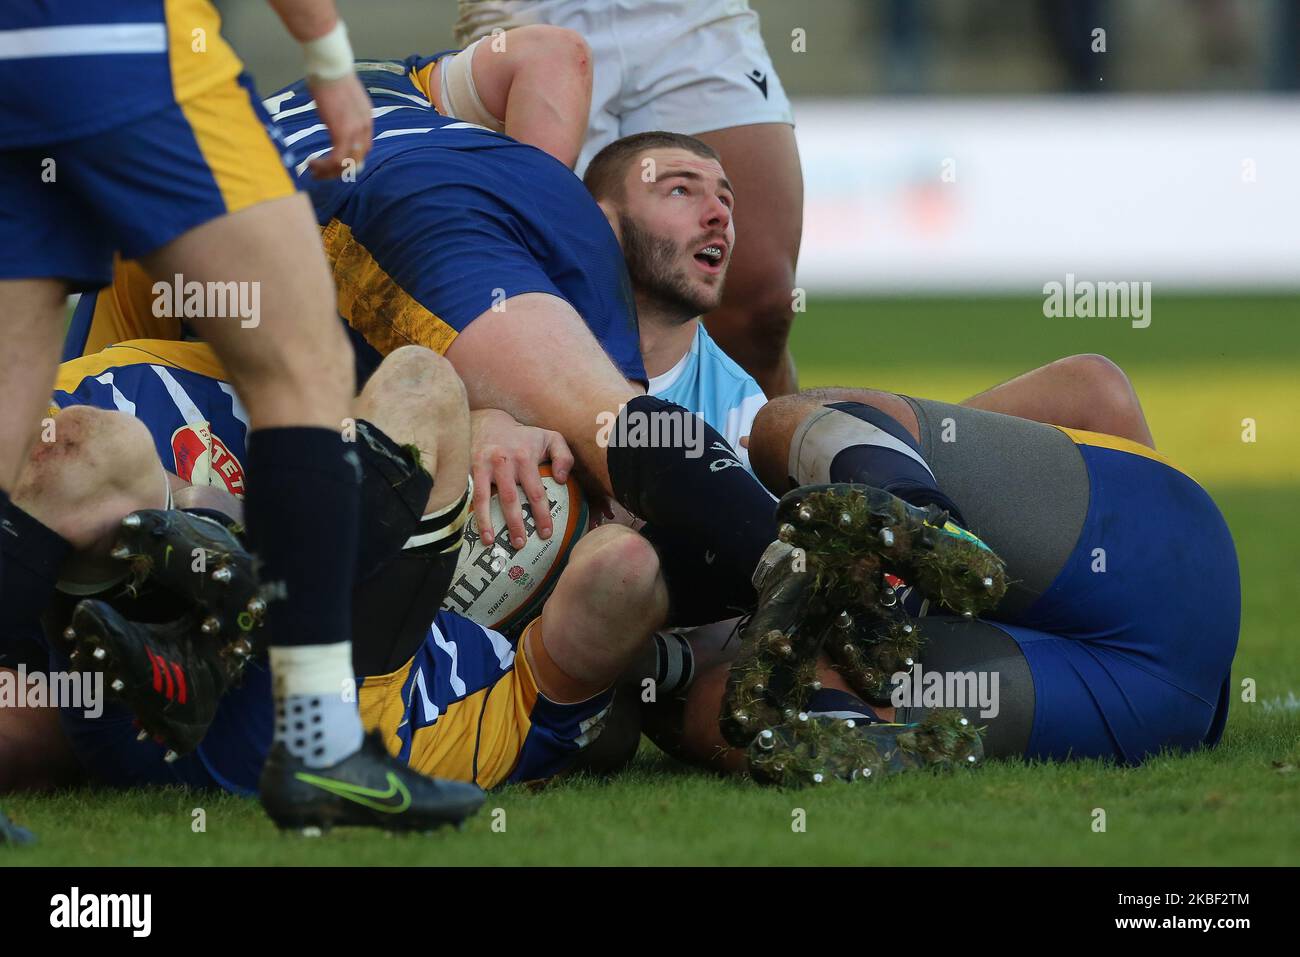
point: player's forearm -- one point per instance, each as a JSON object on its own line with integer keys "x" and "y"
{"x": 306, "y": 19}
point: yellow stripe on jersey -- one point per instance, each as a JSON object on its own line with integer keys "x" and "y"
{"x": 190, "y": 356}
{"x": 244, "y": 162}
{"x": 423, "y": 80}
{"x": 124, "y": 311}
{"x": 372, "y": 302}
{"x": 199, "y": 56}
{"x": 488, "y": 727}
{"x": 1103, "y": 441}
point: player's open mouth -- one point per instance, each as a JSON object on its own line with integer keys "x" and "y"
{"x": 711, "y": 257}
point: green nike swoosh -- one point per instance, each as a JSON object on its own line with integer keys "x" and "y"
{"x": 393, "y": 801}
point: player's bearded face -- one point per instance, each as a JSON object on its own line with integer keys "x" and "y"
{"x": 660, "y": 268}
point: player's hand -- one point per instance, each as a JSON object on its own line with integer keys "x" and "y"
{"x": 505, "y": 455}
{"x": 344, "y": 107}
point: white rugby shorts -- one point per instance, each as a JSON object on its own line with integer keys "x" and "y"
{"x": 686, "y": 66}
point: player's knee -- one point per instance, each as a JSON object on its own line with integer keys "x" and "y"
{"x": 624, "y": 567}
{"x": 92, "y": 451}
{"x": 1108, "y": 393}
{"x": 769, "y": 438}
{"x": 414, "y": 373}
{"x": 413, "y": 386}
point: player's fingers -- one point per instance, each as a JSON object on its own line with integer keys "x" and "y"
{"x": 531, "y": 481}
{"x": 329, "y": 166}
{"x": 503, "y": 473}
{"x": 744, "y": 441}
{"x": 482, "y": 475}
{"x": 561, "y": 456}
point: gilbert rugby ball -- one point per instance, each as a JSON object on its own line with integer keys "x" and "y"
{"x": 504, "y": 589}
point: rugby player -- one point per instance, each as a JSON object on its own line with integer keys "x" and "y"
{"x": 460, "y": 239}
{"x": 445, "y": 695}
{"x": 697, "y": 67}
{"x": 165, "y": 156}
{"x": 1078, "y": 634}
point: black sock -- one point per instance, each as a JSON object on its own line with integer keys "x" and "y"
{"x": 30, "y": 554}
{"x": 700, "y": 590}
{"x": 697, "y": 491}
{"x": 831, "y": 703}
{"x": 884, "y": 465}
{"x": 301, "y": 507}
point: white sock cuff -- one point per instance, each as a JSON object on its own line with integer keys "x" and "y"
{"x": 313, "y": 669}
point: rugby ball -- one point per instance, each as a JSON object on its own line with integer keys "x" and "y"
{"x": 504, "y": 589}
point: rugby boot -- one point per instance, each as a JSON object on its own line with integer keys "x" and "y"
{"x": 200, "y": 560}
{"x": 871, "y": 644}
{"x": 808, "y": 750}
{"x": 780, "y": 642}
{"x": 854, "y": 533}
{"x": 370, "y": 788}
{"x": 170, "y": 675}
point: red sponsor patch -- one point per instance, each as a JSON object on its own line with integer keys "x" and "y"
{"x": 203, "y": 459}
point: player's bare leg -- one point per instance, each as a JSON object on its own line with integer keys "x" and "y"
{"x": 77, "y": 487}
{"x": 33, "y": 329}
{"x": 293, "y": 370}
{"x": 416, "y": 398}
{"x": 778, "y": 421}
{"x": 1088, "y": 392}
{"x": 753, "y": 323}
{"x": 608, "y": 601}
{"x": 293, "y": 367}
{"x": 100, "y": 467}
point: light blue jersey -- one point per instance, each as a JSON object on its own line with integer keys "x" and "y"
{"x": 709, "y": 383}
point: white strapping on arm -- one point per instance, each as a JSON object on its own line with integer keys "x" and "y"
{"x": 328, "y": 57}
{"x": 460, "y": 97}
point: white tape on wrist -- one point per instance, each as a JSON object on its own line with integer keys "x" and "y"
{"x": 329, "y": 57}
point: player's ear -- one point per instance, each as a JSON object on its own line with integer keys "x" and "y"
{"x": 611, "y": 216}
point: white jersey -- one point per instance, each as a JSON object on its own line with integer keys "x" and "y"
{"x": 709, "y": 383}
{"x": 685, "y": 66}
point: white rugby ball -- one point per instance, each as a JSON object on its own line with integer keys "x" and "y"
{"x": 504, "y": 589}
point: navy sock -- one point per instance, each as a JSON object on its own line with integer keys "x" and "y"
{"x": 832, "y": 703}
{"x": 695, "y": 490}
{"x": 31, "y": 555}
{"x": 301, "y": 507}
{"x": 884, "y": 465}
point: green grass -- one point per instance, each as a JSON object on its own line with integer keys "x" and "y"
{"x": 1202, "y": 366}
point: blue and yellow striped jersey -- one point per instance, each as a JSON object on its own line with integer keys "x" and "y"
{"x": 198, "y": 424}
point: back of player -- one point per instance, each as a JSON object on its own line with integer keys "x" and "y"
{"x": 445, "y": 221}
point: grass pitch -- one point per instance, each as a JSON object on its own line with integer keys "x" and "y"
{"x": 1202, "y": 367}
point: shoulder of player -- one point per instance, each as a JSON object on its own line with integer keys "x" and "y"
{"x": 721, "y": 364}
